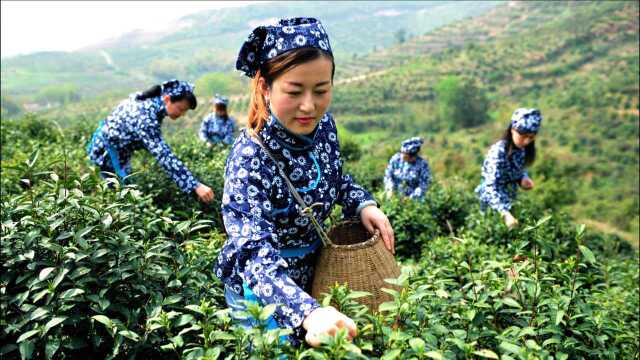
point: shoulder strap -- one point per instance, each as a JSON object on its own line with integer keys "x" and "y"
{"x": 305, "y": 210}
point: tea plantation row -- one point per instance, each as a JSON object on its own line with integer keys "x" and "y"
{"x": 90, "y": 271}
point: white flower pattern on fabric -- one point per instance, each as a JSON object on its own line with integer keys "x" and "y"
{"x": 500, "y": 177}
{"x": 278, "y": 225}
{"x": 300, "y": 40}
{"x": 269, "y": 41}
{"x": 217, "y": 130}
{"x": 407, "y": 179}
{"x": 134, "y": 125}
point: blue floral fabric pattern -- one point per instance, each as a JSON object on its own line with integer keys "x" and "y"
{"x": 263, "y": 220}
{"x": 216, "y": 129}
{"x": 267, "y": 42}
{"x": 526, "y": 121}
{"x": 133, "y": 125}
{"x": 501, "y": 175}
{"x": 176, "y": 87}
{"x": 220, "y": 100}
{"x": 407, "y": 179}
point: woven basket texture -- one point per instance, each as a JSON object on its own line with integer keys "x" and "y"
{"x": 358, "y": 259}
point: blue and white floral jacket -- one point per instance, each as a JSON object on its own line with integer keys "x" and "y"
{"x": 501, "y": 175}
{"x": 133, "y": 125}
{"x": 262, "y": 219}
{"x": 215, "y": 129}
{"x": 407, "y": 179}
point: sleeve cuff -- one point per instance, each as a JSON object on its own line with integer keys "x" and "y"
{"x": 364, "y": 204}
{"x": 191, "y": 187}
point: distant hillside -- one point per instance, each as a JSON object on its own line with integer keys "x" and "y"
{"x": 577, "y": 61}
{"x": 209, "y": 41}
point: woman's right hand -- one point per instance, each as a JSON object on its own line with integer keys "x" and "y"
{"x": 509, "y": 219}
{"x": 205, "y": 194}
{"x": 327, "y": 321}
{"x": 526, "y": 183}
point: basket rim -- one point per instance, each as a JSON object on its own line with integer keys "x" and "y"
{"x": 365, "y": 244}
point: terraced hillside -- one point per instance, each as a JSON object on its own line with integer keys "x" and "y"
{"x": 576, "y": 61}
{"x": 209, "y": 41}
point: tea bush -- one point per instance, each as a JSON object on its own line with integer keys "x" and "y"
{"x": 93, "y": 271}
{"x": 78, "y": 259}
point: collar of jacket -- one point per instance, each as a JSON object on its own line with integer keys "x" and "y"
{"x": 162, "y": 109}
{"x": 215, "y": 116}
{"x": 274, "y": 129}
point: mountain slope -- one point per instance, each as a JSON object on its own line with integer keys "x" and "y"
{"x": 209, "y": 41}
{"x": 576, "y": 61}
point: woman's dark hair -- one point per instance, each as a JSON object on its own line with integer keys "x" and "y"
{"x": 156, "y": 90}
{"x": 529, "y": 150}
{"x": 271, "y": 70}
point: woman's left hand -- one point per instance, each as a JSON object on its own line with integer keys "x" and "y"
{"x": 373, "y": 218}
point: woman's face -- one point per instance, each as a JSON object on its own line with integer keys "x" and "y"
{"x": 221, "y": 110}
{"x": 176, "y": 109}
{"x": 409, "y": 157}
{"x": 521, "y": 140}
{"x": 300, "y": 96}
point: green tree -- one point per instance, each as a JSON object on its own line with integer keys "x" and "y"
{"x": 461, "y": 103}
{"x": 215, "y": 82}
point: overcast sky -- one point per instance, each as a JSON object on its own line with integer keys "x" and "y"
{"x": 30, "y": 26}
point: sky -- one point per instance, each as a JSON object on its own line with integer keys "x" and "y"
{"x": 31, "y": 26}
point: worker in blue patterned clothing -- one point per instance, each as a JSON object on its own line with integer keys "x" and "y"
{"x": 408, "y": 174}
{"x": 503, "y": 170}
{"x": 286, "y": 161}
{"x": 135, "y": 124}
{"x": 218, "y": 127}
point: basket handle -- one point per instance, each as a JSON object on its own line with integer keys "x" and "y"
{"x": 306, "y": 211}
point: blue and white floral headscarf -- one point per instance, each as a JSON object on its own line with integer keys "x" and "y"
{"x": 266, "y": 42}
{"x": 411, "y": 146}
{"x": 220, "y": 100}
{"x": 526, "y": 120}
{"x": 176, "y": 87}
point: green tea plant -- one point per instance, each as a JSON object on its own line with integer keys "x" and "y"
{"x": 93, "y": 268}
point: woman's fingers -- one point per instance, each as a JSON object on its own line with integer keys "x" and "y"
{"x": 367, "y": 225}
{"x": 387, "y": 235}
{"x": 349, "y": 324}
{"x": 208, "y": 196}
{"x": 312, "y": 339}
{"x": 333, "y": 330}
{"x": 351, "y": 327}
{"x": 391, "y": 235}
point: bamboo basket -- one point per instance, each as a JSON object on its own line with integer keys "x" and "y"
{"x": 360, "y": 260}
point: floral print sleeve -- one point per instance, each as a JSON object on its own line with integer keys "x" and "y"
{"x": 500, "y": 175}
{"x": 230, "y": 130}
{"x": 403, "y": 178}
{"x": 152, "y": 140}
{"x": 424, "y": 179}
{"x": 389, "y": 183}
{"x": 204, "y": 136}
